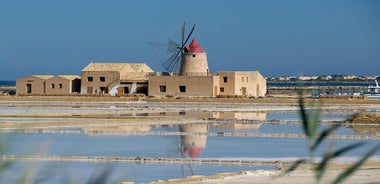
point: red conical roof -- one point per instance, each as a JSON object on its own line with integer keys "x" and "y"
{"x": 194, "y": 47}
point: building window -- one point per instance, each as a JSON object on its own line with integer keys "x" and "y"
{"x": 52, "y": 86}
{"x": 221, "y": 89}
{"x": 90, "y": 79}
{"x": 182, "y": 89}
{"x": 242, "y": 79}
{"x": 224, "y": 79}
{"x": 162, "y": 88}
{"x": 247, "y": 79}
{"x": 102, "y": 79}
{"x": 60, "y": 86}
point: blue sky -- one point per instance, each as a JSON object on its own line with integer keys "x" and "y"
{"x": 275, "y": 37}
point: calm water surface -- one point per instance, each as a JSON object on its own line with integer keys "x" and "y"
{"x": 199, "y": 146}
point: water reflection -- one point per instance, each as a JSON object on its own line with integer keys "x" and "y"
{"x": 259, "y": 115}
{"x": 193, "y": 144}
{"x": 240, "y": 115}
{"x": 366, "y": 129}
{"x": 109, "y": 130}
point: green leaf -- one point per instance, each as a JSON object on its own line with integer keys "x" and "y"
{"x": 304, "y": 117}
{"x": 294, "y": 166}
{"x": 101, "y": 177}
{"x": 356, "y": 166}
{"x": 315, "y": 119}
{"x": 4, "y": 165}
{"x": 328, "y": 156}
{"x": 348, "y": 148}
{"x": 324, "y": 135}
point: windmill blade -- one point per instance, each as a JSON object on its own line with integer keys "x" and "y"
{"x": 188, "y": 37}
{"x": 174, "y": 60}
{"x": 171, "y": 63}
{"x": 175, "y": 65}
{"x": 183, "y": 33}
{"x": 172, "y": 46}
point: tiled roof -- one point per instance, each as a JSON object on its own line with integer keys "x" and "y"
{"x": 135, "y": 76}
{"x": 43, "y": 76}
{"x": 130, "y": 67}
{"x": 70, "y": 77}
{"x": 105, "y": 66}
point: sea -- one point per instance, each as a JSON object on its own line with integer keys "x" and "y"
{"x": 7, "y": 83}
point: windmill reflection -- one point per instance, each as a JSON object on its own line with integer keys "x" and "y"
{"x": 193, "y": 144}
{"x": 190, "y": 144}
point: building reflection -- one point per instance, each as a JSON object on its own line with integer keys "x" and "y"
{"x": 240, "y": 115}
{"x": 99, "y": 130}
{"x": 366, "y": 129}
{"x": 193, "y": 143}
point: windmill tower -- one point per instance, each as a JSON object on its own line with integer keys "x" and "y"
{"x": 194, "y": 60}
{"x": 191, "y": 58}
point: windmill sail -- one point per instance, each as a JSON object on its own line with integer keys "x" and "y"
{"x": 173, "y": 62}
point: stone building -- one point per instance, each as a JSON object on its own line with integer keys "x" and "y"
{"x": 241, "y": 83}
{"x": 34, "y": 84}
{"x": 115, "y": 78}
{"x": 48, "y": 84}
{"x": 194, "y": 79}
{"x": 63, "y": 84}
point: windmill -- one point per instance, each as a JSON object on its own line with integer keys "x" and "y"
{"x": 179, "y": 55}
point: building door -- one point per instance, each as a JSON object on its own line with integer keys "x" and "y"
{"x": 244, "y": 91}
{"x": 89, "y": 90}
{"x": 28, "y": 88}
{"x": 257, "y": 90}
{"x": 216, "y": 91}
{"x": 120, "y": 90}
{"x": 142, "y": 88}
{"x": 126, "y": 90}
{"x": 104, "y": 90}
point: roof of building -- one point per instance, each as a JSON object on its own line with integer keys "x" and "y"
{"x": 130, "y": 67}
{"x": 140, "y": 67}
{"x": 43, "y": 76}
{"x": 70, "y": 77}
{"x": 105, "y": 66}
{"x": 135, "y": 76}
{"x": 194, "y": 47}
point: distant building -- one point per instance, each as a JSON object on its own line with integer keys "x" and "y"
{"x": 241, "y": 83}
{"x": 193, "y": 79}
{"x": 48, "y": 84}
{"x": 63, "y": 84}
{"x": 34, "y": 84}
{"x": 115, "y": 78}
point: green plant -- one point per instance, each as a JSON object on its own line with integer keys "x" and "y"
{"x": 310, "y": 123}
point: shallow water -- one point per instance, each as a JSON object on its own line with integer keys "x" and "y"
{"x": 206, "y": 139}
